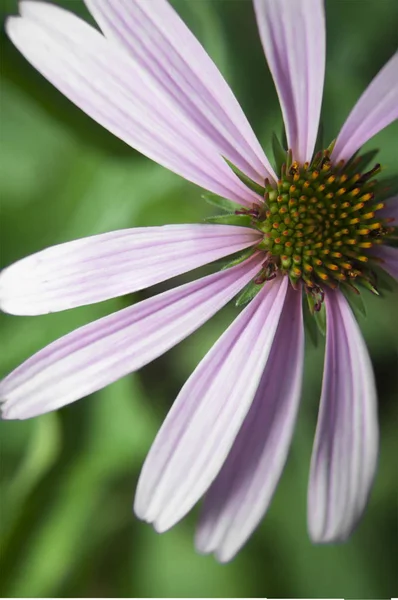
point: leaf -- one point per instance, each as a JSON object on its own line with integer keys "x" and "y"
{"x": 248, "y": 293}
{"x": 331, "y": 146}
{"x": 320, "y": 319}
{"x": 358, "y": 164}
{"x": 386, "y": 188}
{"x": 385, "y": 281}
{"x": 252, "y": 185}
{"x": 355, "y": 300}
{"x": 310, "y": 324}
{"x": 318, "y": 315}
{"x": 284, "y": 137}
{"x": 320, "y": 139}
{"x": 279, "y": 153}
{"x": 230, "y": 219}
{"x": 241, "y": 256}
{"x": 221, "y": 203}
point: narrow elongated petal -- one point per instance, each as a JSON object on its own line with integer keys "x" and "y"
{"x": 345, "y": 451}
{"x": 104, "y": 81}
{"x": 389, "y": 256}
{"x": 97, "y": 354}
{"x": 293, "y": 37}
{"x": 109, "y": 265}
{"x": 201, "y": 427}
{"x": 159, "y": 41}
{"x": 376, "y": 108}
{"x": 241, "y": 493}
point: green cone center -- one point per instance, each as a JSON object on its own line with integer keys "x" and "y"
{"x": 320, "y": 220}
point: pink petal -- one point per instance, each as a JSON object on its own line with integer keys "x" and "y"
{"x": 159, "y": 41}
{"x": 104, "y": 81}
{"x": 242, "y": 491}
{"x": 104, "y": 266}
{"x": 293, "y": 37}
{"x": 376, "y": 108}
{"x": 97, "y": 354}
{"x": 201, "y": 427}
{"x": 345, "y": 451}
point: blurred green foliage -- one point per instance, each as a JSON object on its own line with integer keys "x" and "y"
{"x": 68, "y": 478}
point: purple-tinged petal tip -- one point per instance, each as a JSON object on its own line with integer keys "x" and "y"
{"x": 375, "y": 109}
{"x": 112, "y": 264}
{"x": 294, "y": 40}
{"x": 101, "y": 352}
{"x": 243, "y": 490}
{"x": 344, "y": 457}
{"x": 122, "y": 95}
{"x": 156, "y": 38}
{"x": 200, "y": 429}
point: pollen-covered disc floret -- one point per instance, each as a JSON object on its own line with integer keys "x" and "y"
{"x": 320, "y": 221}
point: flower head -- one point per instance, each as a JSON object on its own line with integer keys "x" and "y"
{"x": 317, "y": 227}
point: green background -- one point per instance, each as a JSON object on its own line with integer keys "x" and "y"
{"x": 68, "y": 478}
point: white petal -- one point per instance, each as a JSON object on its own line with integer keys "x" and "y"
{"x": 112, "y": 264}
{"x": 344, "y": 458}
{"x": 97, "y": 354}
{"x": 242, "y": 492}
{"x": 201, "y": 427}
{"x": 294, "y": 41}
{"x": 376, "y": 108}
{"x": 159, "y": 41}
{"x": 104, "y": 81}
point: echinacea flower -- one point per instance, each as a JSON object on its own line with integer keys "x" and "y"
{"x": 317, "y": 228}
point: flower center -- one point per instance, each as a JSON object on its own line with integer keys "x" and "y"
{"x": 319, "y": 222}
